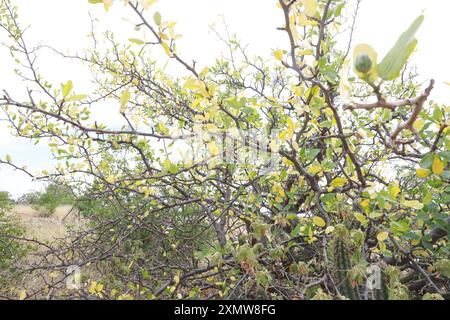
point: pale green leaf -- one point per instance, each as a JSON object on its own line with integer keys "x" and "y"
{"x": 413, "y": 204}
{"x": 360, "y": 217}
{"x": 318, "y": 221}
{"x": 136, "y": 41}
{"x": 394, "y": 61}
{"x": 382, "y": 236}
{"x": 124, "y": 99}
{"x": 157, "y": 18}
{"x": 66, "y": 88}
{"x": 76, "y": 97}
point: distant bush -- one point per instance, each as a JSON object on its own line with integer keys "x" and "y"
{"x": 11, "y": 248}
{"x": 5, "y": 199}
{"x": 53, "y": 196}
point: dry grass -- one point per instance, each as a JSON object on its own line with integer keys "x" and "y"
{"x": 44, "y": 227}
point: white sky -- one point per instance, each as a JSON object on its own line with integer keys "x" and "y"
{"x": 65, "y": 24}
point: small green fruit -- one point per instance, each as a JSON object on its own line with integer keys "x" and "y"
{"x": 363, "y": 63}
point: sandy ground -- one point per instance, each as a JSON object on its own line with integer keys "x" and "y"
{"x": 44, "y": 227}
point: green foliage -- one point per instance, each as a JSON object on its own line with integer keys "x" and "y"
{"x": 320, "y": 295}
{"x": 443, "y": 267}
{"x": 5, "y": 200}
{"x": 12, "y": 250}
{"x": 53, "y": 196}
{"x": 432, "y": 296}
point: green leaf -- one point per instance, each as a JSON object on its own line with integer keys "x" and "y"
{"x": 392, "y": 64}
{"x": 426, "y": 161}
{"x": 136, "y": 41}
{"x": 329, "y": 229}
{"x": 445, "y": 155}
{"x": 361, "y": 218}
{"x": 124, "y": 99}
{"x": 318, "y": 221}
{"x": 76, "y": 97}
{"x": 382, "y": 236}
{"x": 157, "y": 18}
{"x": 66, "y": 88}
{"x": 413, "y": 204}
{"x": 95, "y": 1}
{"x": 338, "y": 182}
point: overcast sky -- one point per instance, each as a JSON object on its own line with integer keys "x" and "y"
{"x": 65, "y": 25}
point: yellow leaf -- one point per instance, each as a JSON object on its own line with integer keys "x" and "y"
{"x": 278, "y": 54}
{"x": 314, "y": 169}
{"x": 136, "y": 120}
{"x": 213, "y": 149}
{"x": 111, "y": 179}
{"x": 422, "y": 173}
{"x": 204, "y": 72}
{"x": 53, "y": 274}
{"x": 107, "y": 4}
{"x": 93, "y": 287}
{"x": 99, "y": 287}
{"x": 73, "y": 111}
{"x": 66, "y": 88}
{"x": 382, "y": 236}
{"x": 304, "y": 21}
{"x": 413, "y": 204}
{"x": 197, "y": 86}
{"x": 360, "y": 217}
{"x": 8, "y": 158}
{"x": 22, "y": 295}
{"x": 166, "y": 48}
{"x": 416, "y": 242}
{"x": 147, "y": 3}
{"x": 298, "y": 91}
{"x": 365, "y": 203}
{"x": 161, "y": 127}
{"x": 310, "y": 7}
{"x": 394, "y": 190}
{"x": 329, "y": 229}
{"x": 290, "y": 131}
{"x": 318, "y": 221}
{"x": 26, "y": 129}
{"x": 176, "y": 279}
{"x": 339, "y": 182}
{"x": 418, "y": 124}
{"x": 124, "y": 99}
{"x": 438, "y": 165}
